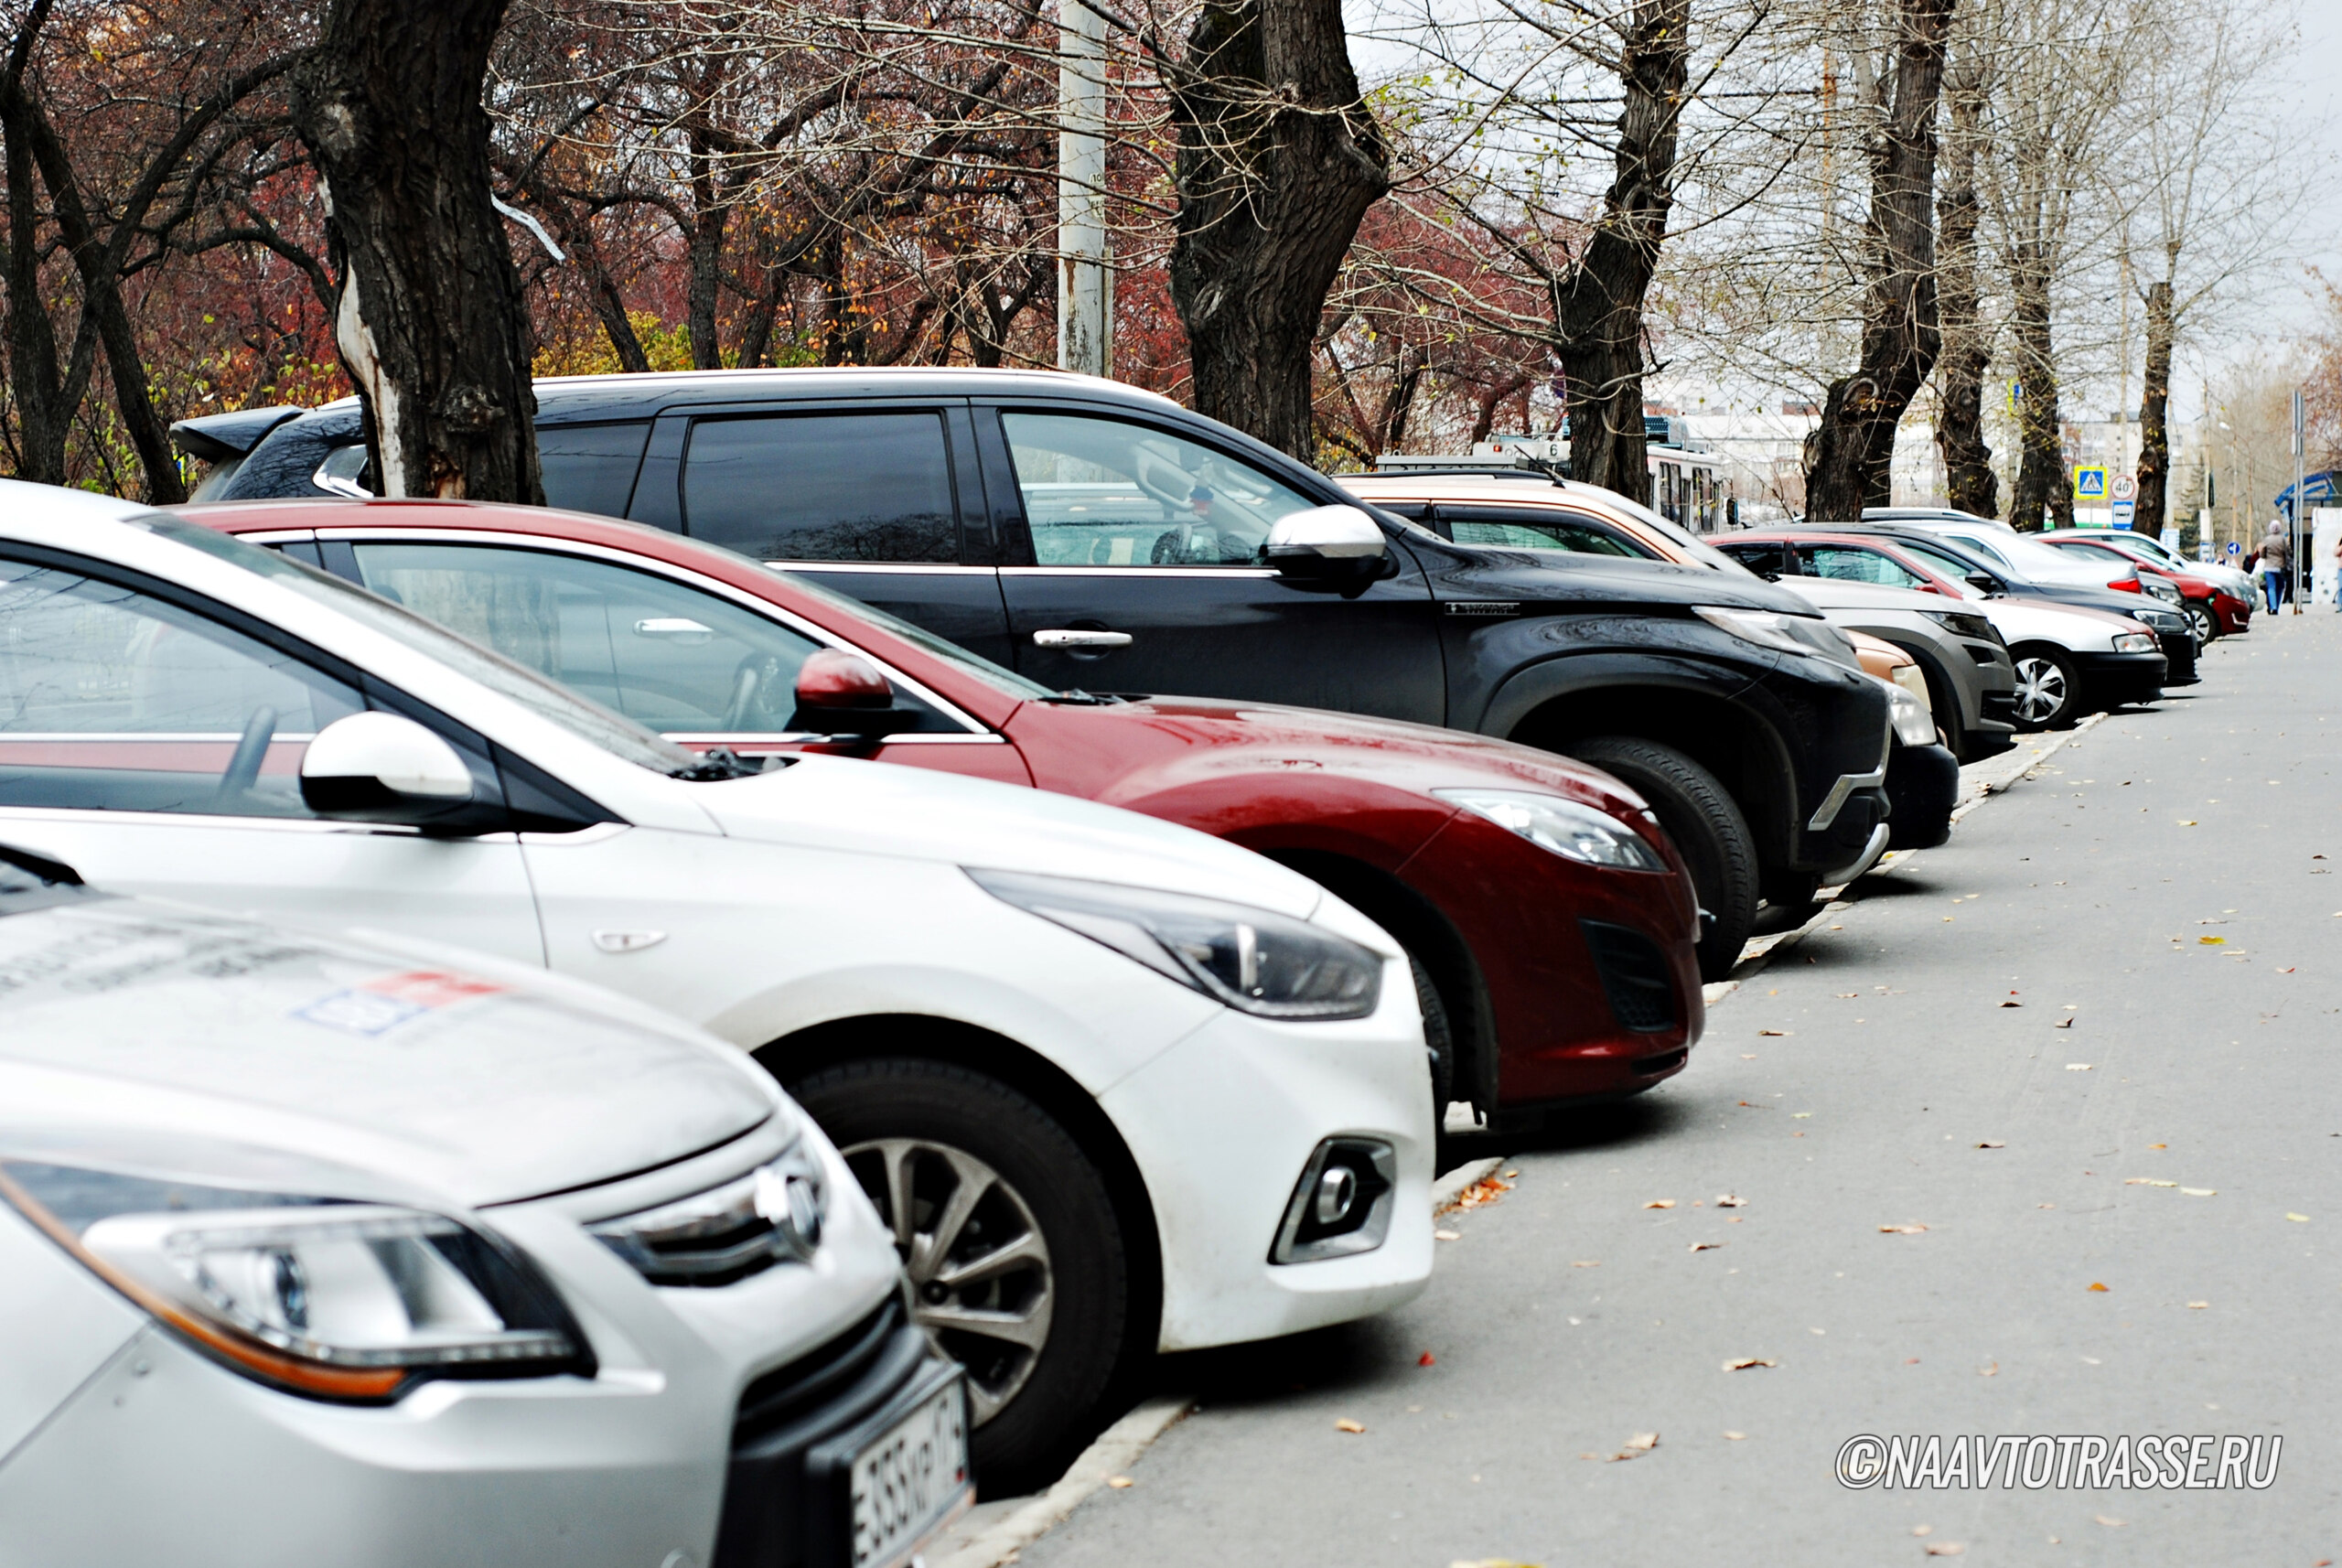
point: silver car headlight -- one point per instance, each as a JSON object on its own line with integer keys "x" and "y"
{"x": 1568, "y": 829}
{"x": 1914, "y": 724}
{"x": 1787, "y": 633}
{"x": 316, "y": 1295}
{"x": 1254, "y": 960}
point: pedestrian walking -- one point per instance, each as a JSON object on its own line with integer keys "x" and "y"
{"x": 2276, "y": 555}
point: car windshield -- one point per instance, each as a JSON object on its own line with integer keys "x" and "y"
{"x": 618, "y": 735}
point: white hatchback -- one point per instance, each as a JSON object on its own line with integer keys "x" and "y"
{"x": 1114, "y": 1084}
{"x": 313, "y": 1252}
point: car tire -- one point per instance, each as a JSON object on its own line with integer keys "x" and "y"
{"x": 940, "y": 1126}
{"x": 1709, "y": 830}
{"x": 2048, "y": 686}
{"x": 1439, "y": 1040}
{"x": 2208, "y": 625}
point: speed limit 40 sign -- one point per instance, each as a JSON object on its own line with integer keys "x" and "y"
{"x": 2125, "y": 487}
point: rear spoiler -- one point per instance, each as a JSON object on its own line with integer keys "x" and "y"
{"x": 215, "y": 437}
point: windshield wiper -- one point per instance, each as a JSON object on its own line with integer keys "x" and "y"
{"x": 718, "y": 763}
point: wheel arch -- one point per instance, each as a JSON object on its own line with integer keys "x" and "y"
{"x": 1426, "y": 932}
{"x": 795, "y": 1057}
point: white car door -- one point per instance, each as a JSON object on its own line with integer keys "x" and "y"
{"x": 156, "y": 750}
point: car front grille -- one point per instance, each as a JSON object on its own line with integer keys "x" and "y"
{"x": 1635, "y": 976}
{"x": 2001, "y": 705}
{"x": 772, "y": 1214}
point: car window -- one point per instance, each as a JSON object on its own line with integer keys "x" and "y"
{"x": 1850, "y": 563}
{"x": 113, "y": 700}
{"x": 1101, "y": 492}
{"x": 671, "y": 657}
{"x": 823, "y": 487}
{"x": 1945, "y": 562}
{"x": 591, "y": 468}
{"x": 1993, "y": 552}
{"x": 1536, "y": 530}
{"x": 1766, "y": 557}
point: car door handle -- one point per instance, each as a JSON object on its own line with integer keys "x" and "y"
{"x": 1059, "y": 636}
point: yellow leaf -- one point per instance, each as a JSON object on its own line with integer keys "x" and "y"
{"x": 1120, "y": 1482}
{"x": 2201, "y": 1191}
{"x": 1661, "y": 1203}
{"x": 2211, "y": 941}
{"x": 2197, "y": 1306}
{"x": 2097, "y": 1285}
{"x": 2147, "y": 1181}
{"x": 1348, "y": 1425}
{"x": 2298, "y": 1218}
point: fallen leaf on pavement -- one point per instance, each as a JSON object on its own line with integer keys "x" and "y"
{"x": 2147, "y": 1181}
{"x": 2211, "y": 941}
{"x": 2201, "y": 1191}
{"x": 1734, "y": 1436}
{"x": 1510, "y": 1174}
{"x": 2078, "y": 1066}
{"x": 2298, "y": 1218}
{"x": 1993, "y": 1370}
{"x": 1427, "y": 1359}
{"x": 1348, "y": 1425}
{"x": 1901, "y": 1229}
{"x": 1448, "y": 1235}
{"x": 1748, "y": 1055}
{"x": 2158, "y": 1145}
{"x": 1923, "y": 1530}
{"x": 2197, "y": 1306}
{"x": 1773, "y": 1032}
{"x": 1845, "y": 996}
{"x": 2012, "y": 1004}
{"x": 2109, "y": 1523}
{"x": 1726, "y": 1201}
{"x": 1587, "y": 1263}
{"x": 2063, "y": 1024}
{"x": 1742, "y": 1363}
{"x": 2097, "y": 1285}
{"x": 1945, "y": 1549}
{"x": 1118, "y": 1482}
{"x": 2287, "y": 969}
{"x": 1641, "y": 1443}
{"x": 1706, "y": 1246}
{"x": 1661, "y": 1203}
{"x": 1991, "y": 1144}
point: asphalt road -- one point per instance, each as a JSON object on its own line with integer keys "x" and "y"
{"x": 2161, "y": 888}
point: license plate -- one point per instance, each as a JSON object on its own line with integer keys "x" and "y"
{"x": 911, "y": 1480}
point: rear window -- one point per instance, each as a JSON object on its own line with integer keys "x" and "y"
{"x": 823, "y": 487}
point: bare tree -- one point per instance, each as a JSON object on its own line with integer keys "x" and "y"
{"x": 1969, "y": 483}
{"x": 430, "y": 319}
{"x": 1853, "y": 446}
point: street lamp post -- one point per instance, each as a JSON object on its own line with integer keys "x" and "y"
{"x": 1085, "y": 281}
{"x": 2294, "y": 512}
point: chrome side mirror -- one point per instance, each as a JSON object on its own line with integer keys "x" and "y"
{"x": 1327, "y": 541}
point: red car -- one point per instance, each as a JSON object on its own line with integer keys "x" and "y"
{"x": 1552, "y": 924}
{"x": 2215, "y": 611}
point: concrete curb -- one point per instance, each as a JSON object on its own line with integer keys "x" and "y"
{"x": 1116, "y": 1447}
{"x": 1989, "y": 781}
{"x": 1447, "y": 1189}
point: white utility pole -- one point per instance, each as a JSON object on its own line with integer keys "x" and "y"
{"x": 1085, "y": 281}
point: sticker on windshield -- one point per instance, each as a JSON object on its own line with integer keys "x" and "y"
{"x": 380, "y": 1005}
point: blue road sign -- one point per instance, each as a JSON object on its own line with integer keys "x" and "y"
{"x": 2090, "y": 482}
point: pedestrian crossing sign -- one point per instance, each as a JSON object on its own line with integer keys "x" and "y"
{"x": 2089, "y": 483}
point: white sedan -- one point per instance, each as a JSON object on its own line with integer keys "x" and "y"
{"x": 311, "y": 1252}
{"x": 1114, "y": 1084}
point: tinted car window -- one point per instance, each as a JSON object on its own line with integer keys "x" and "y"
{"x": 1849, "y": 565}
{"x": 1766, "y": 557}
{"x": 1100, "y": 492}
{"x": 669, "y": 656}
{"x": 590, "y": 467}
{"x": 111, "y": 700}
{"x": 1536, "y": 530}
{"x": 823, "y": 486}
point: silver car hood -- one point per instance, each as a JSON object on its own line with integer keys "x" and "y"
{"x": 127, "y": 1023}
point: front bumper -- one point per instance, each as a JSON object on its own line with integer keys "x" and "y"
{"x": 1924, "y": 783}
{"x": 2179, "y": 653}
{"x": 1220, "y": 1126}
{"x": 2113, "y": 680}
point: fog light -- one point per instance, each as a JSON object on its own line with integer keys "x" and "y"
{"x": 1342, "y": 1203}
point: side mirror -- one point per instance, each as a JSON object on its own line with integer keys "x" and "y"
{"x": 1327, "y": 541}
{"x": 842, "y": 696}
{"x": 1985, "y": 582}
{"x": 381, "y": 768}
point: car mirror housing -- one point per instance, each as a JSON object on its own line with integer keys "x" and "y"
{"x": 1984, "y": 581}
{"x": 831, "y": 680}
{"x": 1327, "y": 541}
{"x": 382, "y": 768}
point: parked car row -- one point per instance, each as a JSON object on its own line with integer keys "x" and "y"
{"x": 500, "y": 998}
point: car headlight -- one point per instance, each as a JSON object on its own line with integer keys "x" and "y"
{"x": 1962, "y": 623}
{"x": 1255, "y": 961}
{"x": 1568, "y": 829}
{"x": 1914, "y": 724}
{"x": 2136, "y": 642}
{"x": 1788, "y": 633}
{"x": 2159, "y": 588}
{"x": 333, "y": 1299}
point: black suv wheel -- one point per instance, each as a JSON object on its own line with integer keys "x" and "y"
{"x": 1709, "y": 830}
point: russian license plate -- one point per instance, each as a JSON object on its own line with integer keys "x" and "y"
{"x": 913, "y": 1480}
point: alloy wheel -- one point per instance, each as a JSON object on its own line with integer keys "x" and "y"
{"x": 979, "y": 1265}
{"x": 2207, "y": 626}
{"x": 2040, "y": 690}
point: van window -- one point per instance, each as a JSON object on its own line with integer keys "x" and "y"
{"x": 590, "y": 467}
{"x": 823, "y": 486}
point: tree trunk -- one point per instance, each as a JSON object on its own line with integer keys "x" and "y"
{"x": 2041, "y": 465}
{"x": 430, "y": 321}
{"x": 1278, "y": 160}
{"x": 1598, "y": 303}
{"x": 2154, "y": 412}
{"x": 44, "y": 409}
{"x": 1853, "y": 447}
{"x": 1969, "y": 483}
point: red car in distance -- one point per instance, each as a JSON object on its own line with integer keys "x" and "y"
{"x": 1552, "y": 924}
{"x": 2215, "y": 611}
